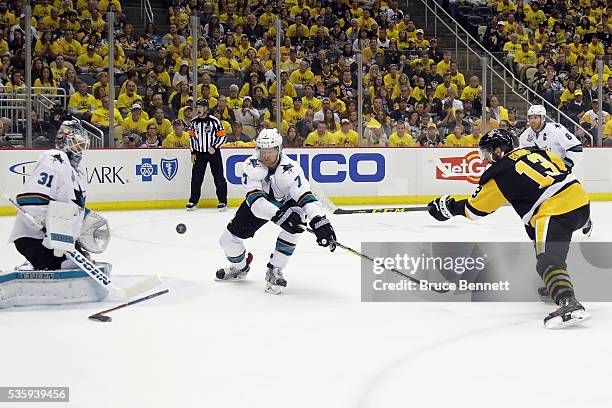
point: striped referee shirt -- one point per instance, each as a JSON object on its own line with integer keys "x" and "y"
{"x": 205, "y": 133}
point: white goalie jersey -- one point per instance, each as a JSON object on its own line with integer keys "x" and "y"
{"x": 554, "y": 138}
{"x": 268, "y": 190}
{"x": 53, "y": 178}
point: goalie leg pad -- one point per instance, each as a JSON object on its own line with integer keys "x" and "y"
{"x": 56, "y": 287}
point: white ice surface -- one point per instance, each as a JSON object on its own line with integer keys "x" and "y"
{"x": 211, "y": 344}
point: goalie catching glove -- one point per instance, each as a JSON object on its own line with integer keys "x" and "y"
{"x": 289, "y": 220}
{"x": 440, "y": 208}
{"x": 95, "y": 233}
{"x": 324, "y": 232}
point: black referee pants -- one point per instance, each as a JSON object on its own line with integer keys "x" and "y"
{"x": 198, "y": 171}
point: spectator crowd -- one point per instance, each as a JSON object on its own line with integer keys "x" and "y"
{"x": 414, "y": 94}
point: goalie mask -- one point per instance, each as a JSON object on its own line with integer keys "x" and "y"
{"x": 73, "y": 139}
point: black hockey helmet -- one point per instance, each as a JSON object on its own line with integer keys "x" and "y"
{"x": 493, "y": 139}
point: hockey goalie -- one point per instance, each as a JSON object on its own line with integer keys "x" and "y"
{"x": 55, "y": 222}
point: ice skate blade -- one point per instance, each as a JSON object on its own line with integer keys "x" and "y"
{"x": 239, "y": 277}
{"x": 273, "y": 289}
{"x": 557, "y": 322}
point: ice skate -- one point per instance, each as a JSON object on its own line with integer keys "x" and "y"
{"x": 231, "y": 274}
{"x": 275, "y": 282}
{"x": 588, "y": 228}
{"x": 569, "y": 313}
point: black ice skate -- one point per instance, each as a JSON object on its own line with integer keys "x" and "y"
{"x": 222, "y": 206}
{"x": 275, "y": 282}
{"x": 569, "y": 313}
{"x": 230, "y": 273}
{"x": 544, "y": 295}
{"x": 190, "y": 206}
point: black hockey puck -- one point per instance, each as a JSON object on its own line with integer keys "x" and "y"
{"x": 181, "y": 228}
{"x": 101, "y": 318}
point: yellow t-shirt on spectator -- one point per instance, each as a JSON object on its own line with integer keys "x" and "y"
{"x": 125, "y": 101}
{"x": 163, "y": 129}
{"x": 469, "y": 93}
{"x": 50, "y": 85}
{"x": 140, "y": 125}
{"x": 292, "y": 116}
{"x": 82, "y": 103}
{"x": 458, "y": 80}
{"x": 298, "y": 78}
{"x": 472, "y": 140}
{"x": 509, "y": 47}
{"x": 71, "y": 49}
{"x": 396, "y": 140}
{"x": 104, "y": 4}
{"x": 289, "y": 90}
{"x": 59, "y": 74}
{"x": 442, "y": 68}
{"x": 229, "y": 66}
{"x": 418, "y": 94}
{"x": 174, "y": 141}
{"x": 313, "y": 104}
{"x": 349, "y": 139}
{"x": 94, "y": 61}
{"x": 213, "y": 91}
{"x": 442, "y": 91}
{"x": 100, "y": 117}
{"x": 453, "y": 141}
{"x": 327, "y": 139}
{"x": 234, "y": 103}
{"x": 526, "y": 58}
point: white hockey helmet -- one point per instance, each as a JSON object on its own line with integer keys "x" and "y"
{"x": 269, "y": 138}
{"x": 537, "y": 110}
{"x": 73, "y": 139}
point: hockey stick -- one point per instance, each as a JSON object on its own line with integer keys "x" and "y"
{"x": 90, "y": 268}
{"x": 331, "y": 207}
{"x": 364, "y": 256}
{"x": 341, "y": 211}
{"x": 101, "y": 316}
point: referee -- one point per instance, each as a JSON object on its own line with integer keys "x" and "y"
{"x": 206, "y": 135}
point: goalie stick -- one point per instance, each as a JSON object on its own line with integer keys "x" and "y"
{"x": 91, "y": 269}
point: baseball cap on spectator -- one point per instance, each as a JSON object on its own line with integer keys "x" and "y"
{"x": 248, "y": 97}
{"x": 345, "y": 121}
{"x": 578, "y": 92}
{"x": 500, "y": 23}
{"x": 202, "y": 102}
{"x": 136, "y": 106}
{"x": 228, "y": 49}
{"x": 420, "y": 30}
{"x": 433, "y": 40}
{"x": 91, "y": 47}
{"x": 254, "y": 74}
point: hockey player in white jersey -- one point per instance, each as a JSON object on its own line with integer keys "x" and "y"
{"x": 59, "y": 175}
{"x": 555, "y": 138}
{"x": 277, "y": 191}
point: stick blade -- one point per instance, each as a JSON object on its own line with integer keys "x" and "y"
{"x": 142, "y": 286}
{"x": 100, "y": 318}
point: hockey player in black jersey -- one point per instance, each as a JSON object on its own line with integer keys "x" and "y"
{"x": 550, "y": 200}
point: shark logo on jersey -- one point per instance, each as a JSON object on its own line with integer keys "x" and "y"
{"x": 58, "y": 158}
{"x": 169, "y": 168}
{"x": 287, "y": 168}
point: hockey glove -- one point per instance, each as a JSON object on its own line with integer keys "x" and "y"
{"x": 440, "y": 208}
{"x": 289, "y": 220}
{"x": 324, "y": 232}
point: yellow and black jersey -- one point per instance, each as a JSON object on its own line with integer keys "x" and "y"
{"x": 535, "y": 182}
